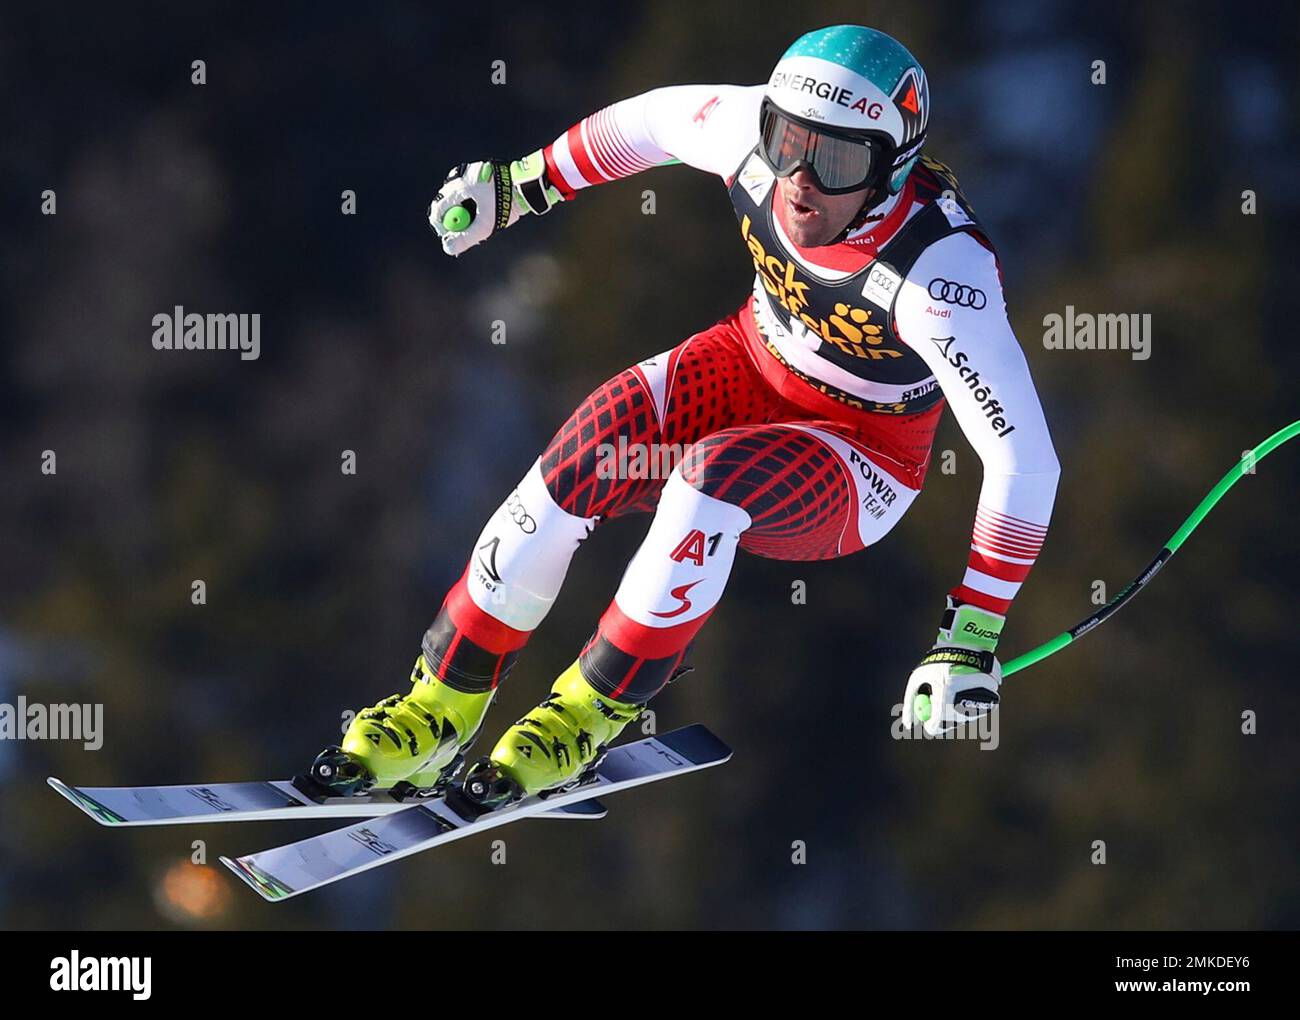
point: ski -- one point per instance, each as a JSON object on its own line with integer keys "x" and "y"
{"x": 245, "y": 802}
{"x": 282, "y": 872}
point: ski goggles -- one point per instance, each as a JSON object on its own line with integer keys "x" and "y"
{"x": 838, "y": 163}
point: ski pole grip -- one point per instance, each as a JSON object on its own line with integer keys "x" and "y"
{"x": 457, "y": 218}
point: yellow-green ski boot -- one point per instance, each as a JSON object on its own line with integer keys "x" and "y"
{"x": 413, "y": 744}
{"x": 553, "y": 747}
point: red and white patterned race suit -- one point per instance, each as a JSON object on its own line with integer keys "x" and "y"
{"x": 797, "y": 428}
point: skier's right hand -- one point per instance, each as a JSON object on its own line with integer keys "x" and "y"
{"x": 478, "y": 199}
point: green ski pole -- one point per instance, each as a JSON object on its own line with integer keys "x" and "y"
{"x": 1242, "y": 467}
{"x": 1035, "y": 655}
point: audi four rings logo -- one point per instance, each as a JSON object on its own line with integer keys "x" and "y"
{"x": 957, "y": 294}
{"x": 515, "y": 507}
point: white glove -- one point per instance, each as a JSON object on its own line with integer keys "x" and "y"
{"x": 960, "y": 675}
{"x": 493, "y": 195}
{"x": 956, "y": 693}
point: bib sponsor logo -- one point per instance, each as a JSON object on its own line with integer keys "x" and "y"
{"x": 882, "y": 285}
{"x": 848, "y": 327}
{"x": 756, "y": 179}
{"x": 824, "y": 388}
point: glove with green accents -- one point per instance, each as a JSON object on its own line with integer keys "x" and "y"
{"x": 478, "y": 199}
{"x": 958, "y": 679}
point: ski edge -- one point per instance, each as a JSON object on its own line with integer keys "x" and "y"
{"x": 305, "y": 811}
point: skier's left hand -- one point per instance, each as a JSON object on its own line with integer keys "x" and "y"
{"x": 960, "y": 675}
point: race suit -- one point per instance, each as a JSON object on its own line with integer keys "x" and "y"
{"x": 797, "y": 428}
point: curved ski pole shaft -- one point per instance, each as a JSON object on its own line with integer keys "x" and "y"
{"x": 1243, "y": 467}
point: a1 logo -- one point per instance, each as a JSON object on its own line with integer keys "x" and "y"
{"x": 692, "y": 547}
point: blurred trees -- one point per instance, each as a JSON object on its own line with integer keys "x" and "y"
{"x": 320, "y": 584}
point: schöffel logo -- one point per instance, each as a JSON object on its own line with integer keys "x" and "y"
{"x": 490, "y": 565}
{"x": 983, "y": 393}
{"x": 959, "y": 294}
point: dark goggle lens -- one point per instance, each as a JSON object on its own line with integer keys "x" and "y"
{"x": 839, "y": 164}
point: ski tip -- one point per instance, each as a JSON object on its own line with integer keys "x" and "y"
{"x": 698, "y": 743}
{"x": 91, "y": 807}
{"x": 233, "y": 866}
{"x": 270, "y": 889}
{"x": 61, "y": 788}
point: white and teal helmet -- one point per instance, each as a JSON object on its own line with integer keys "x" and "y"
{"x": 849, "y": 103}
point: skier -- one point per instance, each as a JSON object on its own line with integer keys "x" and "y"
{"x": 807, "y": 415}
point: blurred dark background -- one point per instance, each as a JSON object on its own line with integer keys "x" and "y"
{"x": 1124, "y": 197}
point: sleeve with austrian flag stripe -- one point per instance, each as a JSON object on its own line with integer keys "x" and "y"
{"x": 709, "y": 127}
{"x": 951, "y": 311}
